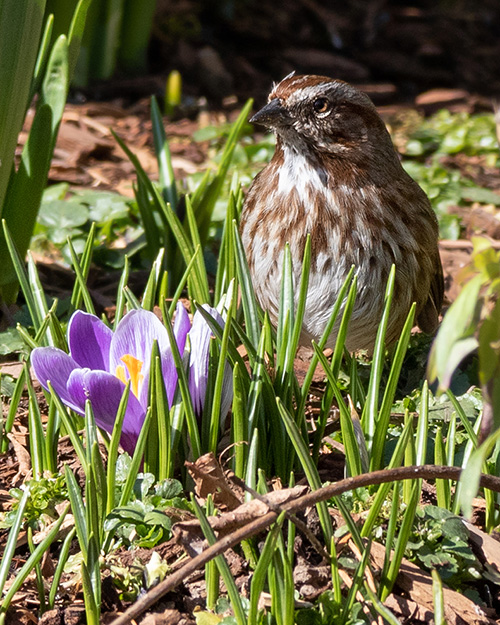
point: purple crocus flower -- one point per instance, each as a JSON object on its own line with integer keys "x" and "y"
{"x": 101, "y": 361}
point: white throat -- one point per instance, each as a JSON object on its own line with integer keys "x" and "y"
{"x": 298, "y": 173}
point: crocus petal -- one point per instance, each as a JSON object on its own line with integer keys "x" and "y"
{"x": 182, "y": 325}
{"x": 54, "y": 365}
{"x": 89, "y": 341}
{"x": 199, "y": 337}
{"x": 76, "y": 388}
{"x": 226, "y": 399}
{"x": 105, "y": 392}
{"x": 135, "y": 335}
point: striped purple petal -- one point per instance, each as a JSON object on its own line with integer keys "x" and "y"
{"x": 199, "y": 337}
{"x": 105, "y": 392}
{"x": 89, "y": 341}
{"x": 55, "y": 366}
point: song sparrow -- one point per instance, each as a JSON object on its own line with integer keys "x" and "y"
{"x": 336, "y": 175}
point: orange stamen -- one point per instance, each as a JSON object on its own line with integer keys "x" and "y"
{"x": 134, "y": 367}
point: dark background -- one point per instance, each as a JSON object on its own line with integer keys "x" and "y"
{"x": 225, "y": 47}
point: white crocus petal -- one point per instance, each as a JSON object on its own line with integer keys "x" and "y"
{"x": 200, "y": 336}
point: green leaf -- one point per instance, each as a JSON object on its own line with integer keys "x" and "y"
{"x": 20, "y": 27}
{"x": 63, "y": 214}
{"x": 27, "y": 185}
{"x": 455, "y": 338}
{"x": 165, "y": 168}
{"x": 10, "y": 342}
{"x": 483, "y": 196}
{"x": 75, "y": 35}
{"x": 469, "y": 480}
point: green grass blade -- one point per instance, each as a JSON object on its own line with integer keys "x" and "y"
{"x": 136, "y": 461}
{"x": 163, "y": 156}
{"x": 52, "y": 438}
{"x": 75, "y": 35}
{"x": 239, "y": 424}
{"x": 383, "y": 489}
{"x": 36, "y": 437}
{"x": 212, "y": 577}
{"x": 120, "y": 294}
{"x": 451, "y": 441}
{"x": 384, "y": 415}
{"x": 81, "y": 279}
{"x": 200, "y": 268}
{"x": 471, "y": 434}
{"x": 152, "y": 231}
{"x": 149, "y": 295}
{"x": 92, "y": 609}
{"x": 41, "y": 60}
{"x": 388, "y": 580}
{"x": 357, "y": 583}
{"x": 322, "y": 342}
{"x": 136, "y": 30}
{"x": 422, "y": 427}
{"x": 226, "y": 266}
{"x": 86, "y": 258}
{"x": 132, "y": 302}
{"x": 113, "y": 448}
{"x": 20, "y": 27}
{"x": 216, "y": 417}
{"x": 262, "y": 568}
{"x": 248, "y": 301}
{"x": 169, "y": 218}
{"x": 204, "y": 204}
{"x": 370, "y": 412}
{"x": 27, "y": 185}
{"x": 468, "y": 485}
{"x": 10, "y": 545}
{"x": 282, "y": 589}
{"x": 391, "y": 528}
{"x": 108, "y": 39}
{"x": 192, "y": 423}
{"x": 380, "y": 608}
{"x": 13, "y": 408}
{"x": 233, "y": 354}
{"x": 438, "y": 599}
{"x": 78, "y": 510}
{"x": 32, "y": 561}
{"x": 222, "y": 565}
{"x": 353, "y": 456}
{"x": 38, "y": 295}
{"x": 308, "y": 466}
{"x": 197, "y": 277}
{"x": 286, "y": 315}
{"x": 61, "y": 562}
{"x": 22, "y": 277}
{"x": 162, "y": 408}
{"x": 70, "y": 428}
{"x": 183, "y": 280}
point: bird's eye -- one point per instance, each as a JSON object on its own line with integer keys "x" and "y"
{"x": 321, "y": 105}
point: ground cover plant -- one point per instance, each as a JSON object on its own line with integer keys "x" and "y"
{"x": 142, "y": 425}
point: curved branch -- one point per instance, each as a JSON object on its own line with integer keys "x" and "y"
{"x": 428, "y": 472}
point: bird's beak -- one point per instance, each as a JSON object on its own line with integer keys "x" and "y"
{"x": 271, "y": 115}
